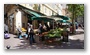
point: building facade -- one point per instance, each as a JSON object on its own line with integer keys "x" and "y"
{"x": 9, "y": 16}
{"x": 14, "y": 16}
{"x": 47, "y": 9}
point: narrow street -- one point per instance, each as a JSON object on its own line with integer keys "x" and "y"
{"x": 75, "y": 42}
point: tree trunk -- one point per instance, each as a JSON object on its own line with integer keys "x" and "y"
{"x": 73, "y": 20}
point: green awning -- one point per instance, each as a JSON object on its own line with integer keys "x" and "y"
{"x": 37, "y": 15}
{"x": 63, "y": 21}
{"x": 30, "y": 11}
{"x": 61, "y": 16}
{"x": 46, "y": 19}
{"x": 33, "y": 13}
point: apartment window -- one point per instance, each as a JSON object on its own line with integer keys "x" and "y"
{"x": 31, "y": 5}
{"x": 45, "y": 10}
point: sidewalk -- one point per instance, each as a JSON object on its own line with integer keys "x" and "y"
{"x": 12, "y": 42}
{"x": 75, "y": 42}
{"x": 78, "y": 31}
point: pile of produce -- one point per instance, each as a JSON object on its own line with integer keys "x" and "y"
{"x": 54, "y": 33}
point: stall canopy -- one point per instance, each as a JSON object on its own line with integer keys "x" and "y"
{"x": 61, "y": 16}
{"x": 33, "y": 15}
{"x": 63, "y": 21}
{"x": 46, "y": 19}
{"x": 38, "y": 16}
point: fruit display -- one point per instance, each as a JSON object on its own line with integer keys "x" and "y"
{"x": 24, "y": 30}
{"x": 54, "y": 33}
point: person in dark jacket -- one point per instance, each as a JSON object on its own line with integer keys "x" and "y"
{"x": 31, "y": 35}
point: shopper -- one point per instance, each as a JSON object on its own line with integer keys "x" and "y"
{"x": 31, "y": 35}
{"x": 19, "y": 32}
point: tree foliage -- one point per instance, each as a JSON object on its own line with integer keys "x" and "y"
{"x": 77, "y": 9}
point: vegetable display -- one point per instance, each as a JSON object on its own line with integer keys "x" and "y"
{"x": 54, "y": 33}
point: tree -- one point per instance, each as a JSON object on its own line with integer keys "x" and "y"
{"x": 76, "y": 10}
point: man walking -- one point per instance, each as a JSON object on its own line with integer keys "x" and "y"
{"x": 19, "y": 32}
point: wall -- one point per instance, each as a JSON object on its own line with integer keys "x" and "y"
{"x": 24, "y": 20}
{"x": 30, "y": 6}
{"x": 11, "y": 18}
{"x": 17, "y": 18}
{"x": 47, "y": 10}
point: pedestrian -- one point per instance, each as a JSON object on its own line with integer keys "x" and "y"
{"x": 70, "y": 28}
{"x": 44, "y": 28}
{"x": 19, "y": 32}
{"x": 40, "y": 28}
{"x": 32, "y": 30}
{"x": 6, "y": 28}
{"x": 6, "y": 32}
{"x": 30, "y": 35}
{"x": 24, "y": 34}
{"x": 28, "y": 30}
{"x": 28, "y": 24}
{"x": 47, "y": 26}
{"x": 81, "y": 26}
{"x": 6, "y": 35}
{"x": 76, "y": 25}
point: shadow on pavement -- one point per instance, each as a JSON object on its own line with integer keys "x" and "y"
{"x": 15, "y": 37}
{"x": 72, "y": 44}
{"x": 76, "y": 33}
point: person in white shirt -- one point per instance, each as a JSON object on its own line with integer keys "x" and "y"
{"x": 44, "y": 28}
